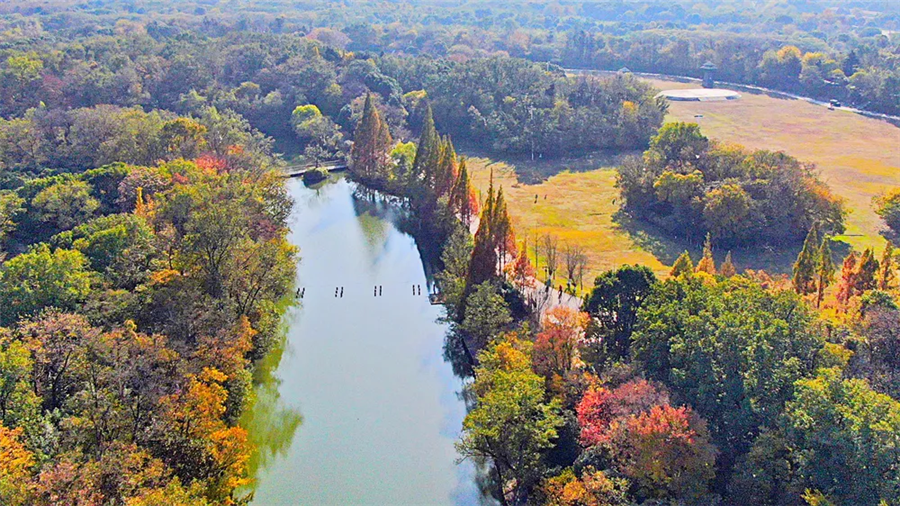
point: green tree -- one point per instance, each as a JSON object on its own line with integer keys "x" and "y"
{"x": 64, "y": 205}
{"x": 372, "y": 143}
{"x": 805, "y": 266}
{"x": 427, "y": 152}
{"x": 888, "y": 207}
{"x": 683, "y": 265}
{"x": 486, "y": 314}
{"x": 679, "y": 143}
{"x": 824, "y": 270}
{"x": 866, "y": 273}
{"x": 844, "y": 438}
{"x": 614, "y": 302}
{"x": 10, "y": 205}
{"x": 322, "y": 136}
{"x": 731, "y": 350}
{"x": 886, "y": 269}
{"x": 41, "y": 278}
{"x": 511, "y": 423}
{"x": 18, "y": 403}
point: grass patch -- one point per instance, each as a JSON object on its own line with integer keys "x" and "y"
{"x": 577, "y": 200}
{"x": 858, "y": 157}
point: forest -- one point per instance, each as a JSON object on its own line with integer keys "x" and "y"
{"x": 146, "y": 266}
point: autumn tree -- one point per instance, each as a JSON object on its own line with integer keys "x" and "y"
{"x": 511, "y": 423}
{"x": 707, "y": 263}
{"x": 372, "y": 143}
{"x": 521, "y": 272}
{"x": 590, "y": 488}
{"x": 666, "y": 453}
{"x": 727, "y": 269}
{"x": 600, "y": 407}
{"x": 847, "y": 283}
{"x": 16, "y": 464}
{"x": 58, "y": 342}
{"x": 556, "y": 345}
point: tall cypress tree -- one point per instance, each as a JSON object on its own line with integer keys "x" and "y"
{"x": 501, "y": 229}
{"x": 847, "y": 283}
{"x": 728, "y": 270}
{"x": 824, "y": 271}
{"x": 427, "y": 151}
{"x": 446, "y": 170}
{"x": 886, "y": 272}
{"x": 483, "y": 265}
{"x": 462, "y": 198}
{"x": 865, "y": 275}
{"x": 371, "y": 143}
{"x": 683, "y": 265}
{"x": 805, "y": 266}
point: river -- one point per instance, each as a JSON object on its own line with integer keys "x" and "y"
{"x": 359, "y": 407}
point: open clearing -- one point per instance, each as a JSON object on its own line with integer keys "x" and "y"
{"x": 857, "y": 156}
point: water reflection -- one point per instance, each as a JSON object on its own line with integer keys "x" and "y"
{"x": 380, "y": 405}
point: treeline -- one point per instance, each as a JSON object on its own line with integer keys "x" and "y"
{"x": 691, "y": 186}
{"x": 866, "y": 76}
{"x": 513, "y": 106}
{"x": 825, "y": 49}
{"x": 50, "y": 94}
{"x": 135, "y": 299}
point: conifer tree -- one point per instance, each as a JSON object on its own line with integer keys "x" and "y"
{"x": 683, "y": 265}
{"x": 462, "y": 198}
{"x": 447, "y": 170}
{"x": 805, "y": 266}
{"x": 865, "y": 274}
{"x": 848, "y": 278}
{"x": 427, "y": 151}
{"x": 521, "y": 269}
{"x": 707, "y": 264}
{"x": 824, "y": 271}
{"x": 727, "y": 270}
{"x": 501, "y": 229}
{"x": 886, "y": 272}
{"x": 371, "y": 143}
{"x": 483, "y": 265}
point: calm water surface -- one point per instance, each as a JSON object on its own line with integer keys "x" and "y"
{"x": 359, "y": 407}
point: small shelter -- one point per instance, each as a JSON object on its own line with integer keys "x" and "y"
{"x": 709, "y": 70}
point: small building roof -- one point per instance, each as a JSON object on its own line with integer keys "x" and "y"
{"x": 624, "y": 70}
{"x": 708, "y": 66}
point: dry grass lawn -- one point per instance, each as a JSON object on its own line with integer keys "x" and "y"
{"x": 859, "y": 158}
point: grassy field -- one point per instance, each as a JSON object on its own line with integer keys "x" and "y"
{"x": 858, "y": 157}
